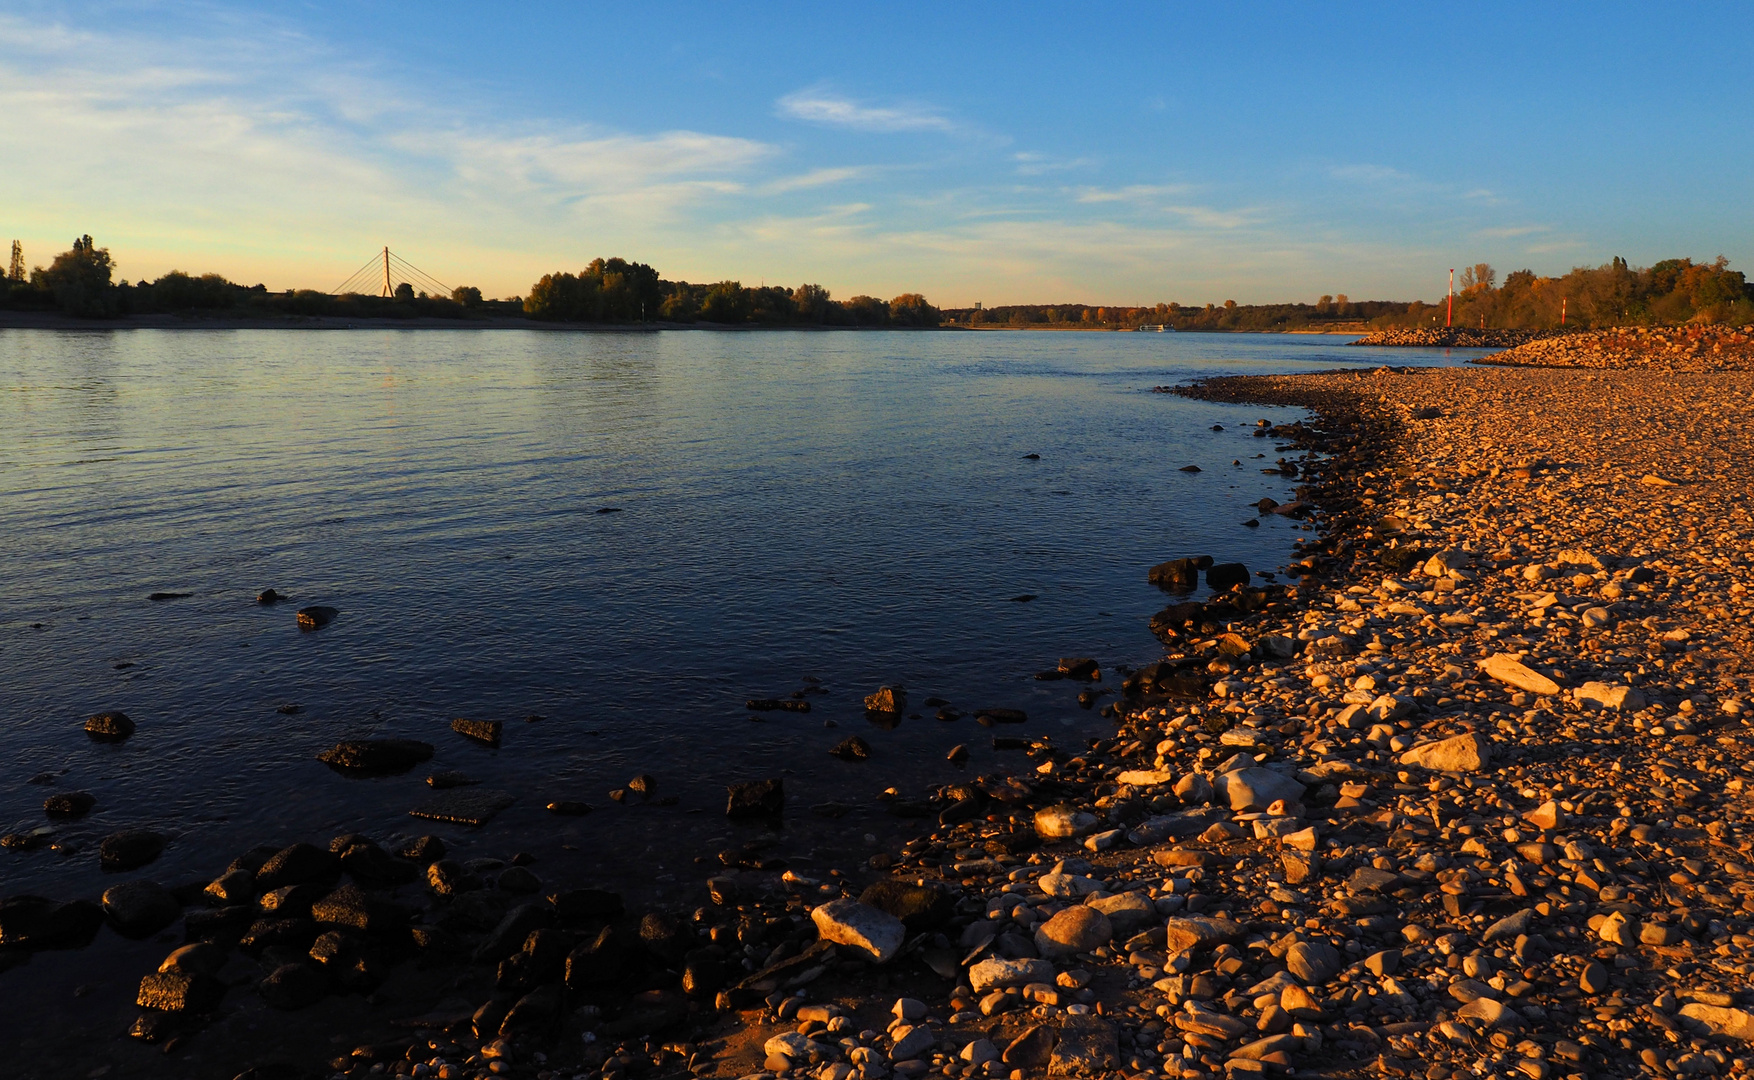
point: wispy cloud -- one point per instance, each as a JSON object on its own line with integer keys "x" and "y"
{"x": 1136, "y": 193}
{"x": 817, "y": 105}
{"x": 1506, "y": 232}
{"x": 1370, "y": 174}
{"x": 1030, "y": 163}
{"x": 815, "y": 178}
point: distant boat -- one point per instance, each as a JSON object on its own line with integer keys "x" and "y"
{"x": 1159, "y": 328}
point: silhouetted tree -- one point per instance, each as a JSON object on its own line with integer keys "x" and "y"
{"x": 80, "y": 280}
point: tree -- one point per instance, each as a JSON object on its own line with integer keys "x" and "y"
{"x": 80, "y": 280}
{"x": 563, "y": 298}
{"x": 867, "y": 311}
{"x": 911, "y": 309}
{"x": 812, "y": 303}
{"x": 404, "y": 292}
{"x": 467, "y": 295}
{"x": 726, "y": 302}
{"x": 1479, "y": 278}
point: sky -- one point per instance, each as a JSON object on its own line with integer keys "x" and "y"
{"x": 1001, "y": 153}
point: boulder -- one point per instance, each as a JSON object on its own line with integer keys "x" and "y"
{"x": 1732, "y": 1023}
{"x": 1198, "y": 931}
{"x": 1126, "y": 911}
{"x": 1078, "y": 929}
{"x": 1603, "y": 695}
{"x": 1226, "y": 576}
{"x": 139, "y": 909}
{"x": 1463, "y": 753}
{"x": 376, "y": 757}
{"x": 887, "y": 699}
{"x": 1314, "y": 962}
{"x": 482, "y": 731}
{"x": 316, "y": 617}
{"x": 1032, "y": 1049}
{"x": 1257, "y": 788}
{"x": 996, "y": 974}
{"x": 911, "y": 1042}
{"x": 1088, "y": 1046}
{"x": 1178, "y": 575}
{"x": 1511, "y": 671}
{"x": 878, "y": 934}
{"x": 756, "y": 799}
{"x": 109, "y": 727}
{"x": 1063, "y": 822}
{"x": 129, "y": 849}
{"x": 179, "y": 991}
{"x": 851, "y": 748}
{"x": 34, "y": 922}
{"x": 919, "y": 907}
{"x": 298, "y": 864}
{"x": 69, "y": 804}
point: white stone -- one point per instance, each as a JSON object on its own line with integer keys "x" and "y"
{"x": 997, "y": 974}
{"x": 1609, "y": 696}
{"x": 1389, "y": 707}
{"x": 979, "y": 1052}
{"x": 847, "y": 922}
{"x": 1068, "y": 886}
{"x": 909, "y": 1009}
{"x": 1257, "y": 789}
{"x": 911, "y": 1042}
{"x": 1145, "y": 777}
{"x": 1064, "y": 822}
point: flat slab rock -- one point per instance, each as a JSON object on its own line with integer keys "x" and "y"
{"x": 465, "y": 806}
{"x": 1088, "y": 1044}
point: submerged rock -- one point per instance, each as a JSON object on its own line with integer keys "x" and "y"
{"x": 70, "y": 804}
{"x": 109, "y": 727}
{"x": 756, "y": 798}
{"x": 129, "y": 849}
{"x": 315, "y": 618}
{"x": 376, "y": 757}
{"x": 139, "y": 909}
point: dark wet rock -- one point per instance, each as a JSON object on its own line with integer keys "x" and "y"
{"x": 154, "y": 1026}
{"x": 351, "y": 906}
{"x": 109, "y": 726}
{"x": 220, "y": 926}
{"x": 290, "y": 901}
{"x": 646, "y": 1020}
{"x": 482, "y": 731}
{"x": 704, "y": 973}
{"x": 580, "y": 905}
{"x": 756, "y": 799}
{"x": 537, "y": 1011}
{"x": 129, "y": 849}
{"x": 957, "y": 755}
{"x": 471, "y": 806}
{"x": 294, "y": 934}
{"x": 161, "y": 596}
{"x": 29, "y": 840}
{"x": 851, "y": 748}
{"x": 569, "y": 808}
{"x": 298, "y": 864}
{"x": 919, "y": 907}
{"x": 375, "y": 868}
{"x": 446, "y": 877}
{"x": 201, "y": 958}
{"x": 289, "y": 709}
{"x": 423, "y": 849}
{"x": 1225, "y": 576}
{"x": 376, "y": 757}
{"x": 1032, "y": 1049}
{"x": 232, "y": 887}
{"x": 179, "y": 991}
{"x": 1088, "y": 1045}
{"x": 1024, "y": 599}
{"x": 520, "y": 880}
{"x": 268, "y": 596}
{"x": 139, "y": 909}
{"x": 450, "y": 778}
{"x": 643, "y": 785}
{"x": 1000, "y": 716}
{"x": 293, "y": 986}
{"x": 1080, "y": 667}
{"x": 777, "y": 705}
{"x": 1179, "y": 575}
{"x": 887, "y": 699}
{"x": 1190, "y": 468}
{"x": 69, "y": 804}
{"x": 602, "y": 961}
{"x": 315, "y": 618}
{"x": 508, "y": 937}
{"x": 486, "y": 1020}
{"x": 34, "y": 922}
{"x": 665, "y": 937}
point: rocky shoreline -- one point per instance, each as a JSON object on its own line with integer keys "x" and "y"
{"x": 1468, "y": 797}
{"x": 1457, "y": 337}
{"x": 1664, "y": 348}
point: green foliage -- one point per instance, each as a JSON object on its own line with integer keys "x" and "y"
{"x": 467, "y": 295}
{"x": 911, "y": 309}
{"x": 80, "y": 280}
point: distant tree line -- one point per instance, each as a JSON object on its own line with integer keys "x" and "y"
{"x": 1666, "y": 293}
{"x": 618, "y": 291}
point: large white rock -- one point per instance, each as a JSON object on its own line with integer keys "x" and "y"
{"x": 1509, "y": 670}
{"x": 1127, "y": 911}
{"x": 911, "y": 1042}
{"x": 998, "y": 974}
{"x": 860, "y": 926}
{"x": 1257, "y": 789}
{"x": 1609, "y": 696}
{"x": 1464, "y": 753}
{"x": 796, "y": 1047}
{"x": 1068, "y": 886}
{"x": 1064, "y": 822}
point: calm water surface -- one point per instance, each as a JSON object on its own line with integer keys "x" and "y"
{"x": 855, "y": 508}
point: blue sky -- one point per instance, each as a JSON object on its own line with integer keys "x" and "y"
{"x": 1124, "y": 153}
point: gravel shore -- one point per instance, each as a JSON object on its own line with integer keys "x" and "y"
{"x": 1467, "y": 797}
{"x": 1659, "y": 348}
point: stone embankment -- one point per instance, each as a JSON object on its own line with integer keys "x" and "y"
{"x": 1456, "y": 337}
{"x": 1657, "y": 348}
{"x": 1468, "y": 798}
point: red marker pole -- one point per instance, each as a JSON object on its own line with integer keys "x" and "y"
{"x": 1450, "y": 314}
{"x": 1562, "y": 300}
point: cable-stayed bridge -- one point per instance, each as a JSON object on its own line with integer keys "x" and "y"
{"x": 383, "y": 272}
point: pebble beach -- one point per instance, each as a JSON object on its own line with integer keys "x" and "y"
{"x": 1461, "y": 791}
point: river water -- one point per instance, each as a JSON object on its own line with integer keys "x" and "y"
{"x": 854, "y": 508}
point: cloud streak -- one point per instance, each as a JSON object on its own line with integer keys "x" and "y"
{"x": 819, "y": 106}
